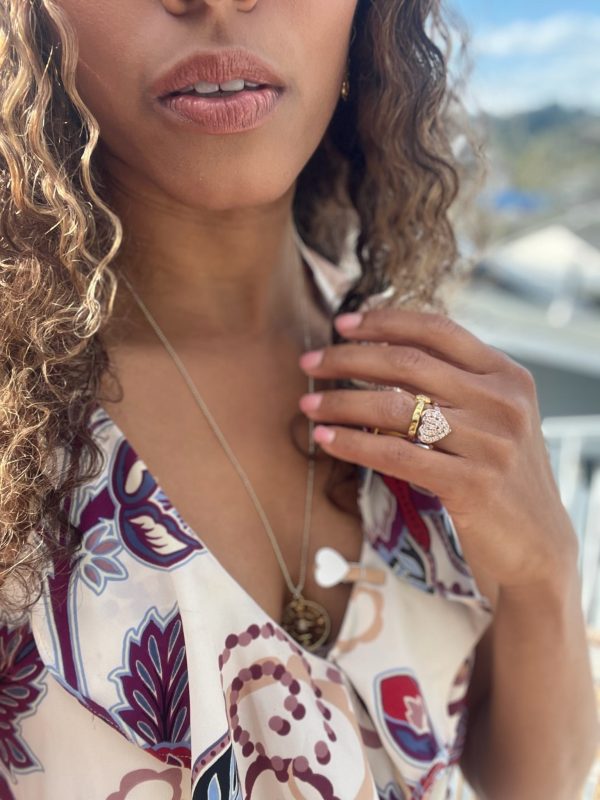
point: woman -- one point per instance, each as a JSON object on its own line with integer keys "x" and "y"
{"x": 175, "y": 198}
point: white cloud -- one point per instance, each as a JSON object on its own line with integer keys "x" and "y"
{"x": 528, "y": 63}
{"x": 540, "y": 36}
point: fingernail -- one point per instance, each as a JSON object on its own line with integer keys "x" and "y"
{"x": 310, "y": 402}
{"x": 345, "y": 322}
{"x": 311, "y": 359}
{"x": 323, "y": 435}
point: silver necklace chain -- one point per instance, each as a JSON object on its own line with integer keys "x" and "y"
{"x": 295, "y": 589}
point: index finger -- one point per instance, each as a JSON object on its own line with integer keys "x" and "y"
{"x": 428, "y": 329}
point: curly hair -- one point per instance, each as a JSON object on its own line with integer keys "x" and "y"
{"x": 385, "y": 169}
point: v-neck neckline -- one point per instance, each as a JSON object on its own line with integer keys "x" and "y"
{"x": 328, "y": 292}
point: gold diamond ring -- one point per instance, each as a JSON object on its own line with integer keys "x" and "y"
{"x": 433, "y": 425}
{"x": 427, "y": 425}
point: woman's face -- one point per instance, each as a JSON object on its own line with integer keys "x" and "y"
{"x": 126, "y": 48}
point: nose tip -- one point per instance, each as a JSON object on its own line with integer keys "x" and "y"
{"x": 180, "y": 7}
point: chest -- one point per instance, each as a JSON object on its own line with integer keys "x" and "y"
{"x": 260, "y": 421}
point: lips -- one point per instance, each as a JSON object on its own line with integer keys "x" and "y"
{"x": 217, "y": 66}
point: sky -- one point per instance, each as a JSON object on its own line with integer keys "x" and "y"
{"x": 530, "y": 53}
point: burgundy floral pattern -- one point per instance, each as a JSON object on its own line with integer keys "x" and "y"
{"x": 21, "y": 691}
{"x": 149, "y": 671}
{"x": 151, "y": 529}
{"x": 418, "y": 540}
{"x": 5, "y": 792}
{"x": 153, "y": 685}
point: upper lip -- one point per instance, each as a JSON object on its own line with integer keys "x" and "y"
{"x": 217, "y": 66}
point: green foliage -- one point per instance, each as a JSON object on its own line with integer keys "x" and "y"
{"x": 552, "y": 150}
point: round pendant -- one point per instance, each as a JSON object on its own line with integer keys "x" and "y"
{"x": 307, "y": 622}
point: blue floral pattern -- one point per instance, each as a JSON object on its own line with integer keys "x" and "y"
{"x": 99, "y": 562}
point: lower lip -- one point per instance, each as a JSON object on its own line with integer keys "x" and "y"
{"x": 232, "y": 114}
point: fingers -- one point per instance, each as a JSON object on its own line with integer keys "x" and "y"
{"x": 435, "y": 332}
{"x": 432, "y": 469}
{"x": 384, "y": 410}
{"x": 395, "y": 365}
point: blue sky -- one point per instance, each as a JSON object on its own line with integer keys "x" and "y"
{"x": 533, "y": 52}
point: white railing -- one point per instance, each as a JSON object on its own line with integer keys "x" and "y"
{"x": 574, "y": 446}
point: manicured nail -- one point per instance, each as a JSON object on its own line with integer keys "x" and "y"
{"x": 345, "y": 322}
{"x": 323, "y": 435}
{"x": 311, "y": 359}
{"x": 310, "y": 402}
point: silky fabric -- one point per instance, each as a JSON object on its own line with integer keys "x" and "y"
{"x": 145, "y": 671}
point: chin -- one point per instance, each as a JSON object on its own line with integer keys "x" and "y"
{"x": 213, "y": 173}
{"x": 229, "y": 187}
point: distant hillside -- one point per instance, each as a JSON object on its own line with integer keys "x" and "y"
{"x": 541, "y": 164}
{"x": 553, "y": 150}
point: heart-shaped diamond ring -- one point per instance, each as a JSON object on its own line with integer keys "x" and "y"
{"x": 433, "y": 425}
{"x": 427, "y": 425}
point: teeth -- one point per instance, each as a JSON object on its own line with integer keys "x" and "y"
{"x": 203, "y": 87}
{"x": 236, "y": 85}
{"x": 233, "y": 86}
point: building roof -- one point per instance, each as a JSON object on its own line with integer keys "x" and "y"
{"x": 552, "y": 258}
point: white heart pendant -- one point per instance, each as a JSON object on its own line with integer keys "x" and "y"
{"x": 330, "y": 567}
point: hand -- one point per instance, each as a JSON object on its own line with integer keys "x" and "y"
{"x": 492, "y": 471}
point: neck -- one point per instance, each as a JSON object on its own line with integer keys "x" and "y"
{"x": 215, "y": 274}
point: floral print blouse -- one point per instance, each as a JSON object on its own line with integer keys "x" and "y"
{"x": 145, "y": 671}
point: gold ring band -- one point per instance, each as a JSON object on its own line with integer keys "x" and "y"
{"x": 421, "y": 401}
